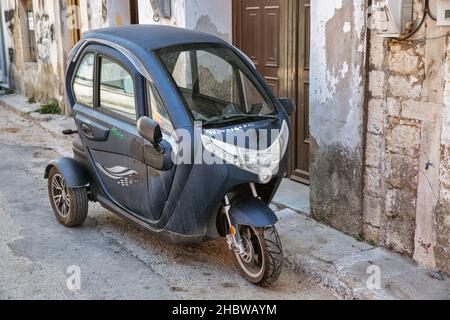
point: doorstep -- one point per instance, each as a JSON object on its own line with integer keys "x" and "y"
{"x": 292, "y": 195}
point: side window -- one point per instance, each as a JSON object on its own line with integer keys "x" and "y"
{"x": 116, "y": 89}
{"x": 83, "y": 84}
{"x": 159, "y": 113}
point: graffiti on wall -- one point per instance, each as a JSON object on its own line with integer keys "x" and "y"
{"x": 45, "y": 32}
{"x": 9, "y": 19}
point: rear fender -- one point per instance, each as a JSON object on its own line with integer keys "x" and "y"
{"x": 252, "y": 212}
{"x": 75, "y": 175}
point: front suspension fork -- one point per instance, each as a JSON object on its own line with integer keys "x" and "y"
{"x": 234, "y": 239}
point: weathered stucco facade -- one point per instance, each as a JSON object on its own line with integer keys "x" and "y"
{"x": 43, "y": 78}
{"x": 213, "y": 16}
{"x": 103, "y": 14}
{"x": 337, "y": 81}
{"x": 406, "y": 195}
{"x": 40, "y": 76}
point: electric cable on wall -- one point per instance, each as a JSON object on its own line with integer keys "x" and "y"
{"x": 427, "y": 7}
{"x": 426, "y": 12}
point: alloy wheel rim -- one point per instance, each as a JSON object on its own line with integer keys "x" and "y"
{"x": 60, "y": 195}
{"x": 252, "y": 259}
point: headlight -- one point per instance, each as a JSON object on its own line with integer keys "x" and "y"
{"x": 265, "y": 162}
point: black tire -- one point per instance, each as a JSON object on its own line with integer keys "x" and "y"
{"x": 75, "y": 209}
{"x": 267, "y": 270}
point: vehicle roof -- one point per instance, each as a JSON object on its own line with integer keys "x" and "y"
{"x": 151, "y": 37}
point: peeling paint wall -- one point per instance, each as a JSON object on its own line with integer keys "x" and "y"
{"x": 178, "y": 18}
{"x": 211, "y": 16}
{"x": 336, "y": 112}
{"x": 406, "y": 205}
{"x": 63, "y": 38}
{"x": 38, "y": 79}
{"x": 104, "y": 13}
{"x": 44, "y": 78}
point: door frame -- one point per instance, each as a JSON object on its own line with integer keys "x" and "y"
{"x": 288, "y": 65}
{"x": 290, "y": 50}
{"x": 134, "y": 11}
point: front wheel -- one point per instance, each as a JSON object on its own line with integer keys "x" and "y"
{"x": 262, "y": 260}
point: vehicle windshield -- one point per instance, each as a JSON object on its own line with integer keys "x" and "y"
{"x": 216, "y": 84}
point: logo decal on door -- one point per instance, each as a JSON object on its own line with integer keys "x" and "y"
{"x": 115, "y": 132}
{"x": 124, "y": 177}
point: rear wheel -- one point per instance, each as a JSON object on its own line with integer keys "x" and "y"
{"x": 70, "y": 205}
{"x": 262, "y": 260}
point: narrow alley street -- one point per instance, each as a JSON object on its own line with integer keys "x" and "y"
{"x": 117, "y": 260}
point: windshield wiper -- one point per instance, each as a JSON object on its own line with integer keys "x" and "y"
{"x": 237, "y": 116}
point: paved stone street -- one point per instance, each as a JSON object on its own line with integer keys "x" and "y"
{"x": 117, "y": 259}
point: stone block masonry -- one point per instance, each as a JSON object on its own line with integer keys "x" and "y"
{"x": 407, "y": 171}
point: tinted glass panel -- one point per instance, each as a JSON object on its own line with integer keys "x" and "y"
{"x": 83, "y": 85}
{"x": 214, "y": 82}
{"x": 159, "y": 113}
{"x": 116, "y": 89}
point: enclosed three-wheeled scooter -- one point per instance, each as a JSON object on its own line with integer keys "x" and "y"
{"x": 154, "y": 109}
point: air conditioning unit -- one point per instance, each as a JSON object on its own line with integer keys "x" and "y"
{"x": 392, "y": 17}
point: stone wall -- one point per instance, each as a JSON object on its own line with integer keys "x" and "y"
{"x": 405, "y": 165}
{"x": 442, "y": 220}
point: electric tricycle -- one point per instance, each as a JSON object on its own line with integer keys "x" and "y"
{"x": 177, "y": 132}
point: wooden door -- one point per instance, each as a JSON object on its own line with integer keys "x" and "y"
{"x": 257, "y": 34}
{"x": 134, "y": 12}
{"x": 299, "y": 164}
{"x": 275, "y": 34}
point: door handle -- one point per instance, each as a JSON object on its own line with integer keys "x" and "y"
{"x": 87, "y": 131}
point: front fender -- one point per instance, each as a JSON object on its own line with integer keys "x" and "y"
{"x": 252, "y": 212}
{"x": 74, "y": 173}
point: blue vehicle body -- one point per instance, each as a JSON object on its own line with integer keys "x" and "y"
{"x": 181, "y": 202}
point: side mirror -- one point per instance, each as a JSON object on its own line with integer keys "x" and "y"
{"x": 150, "y": 130}
{"x": 288, "y": 105}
